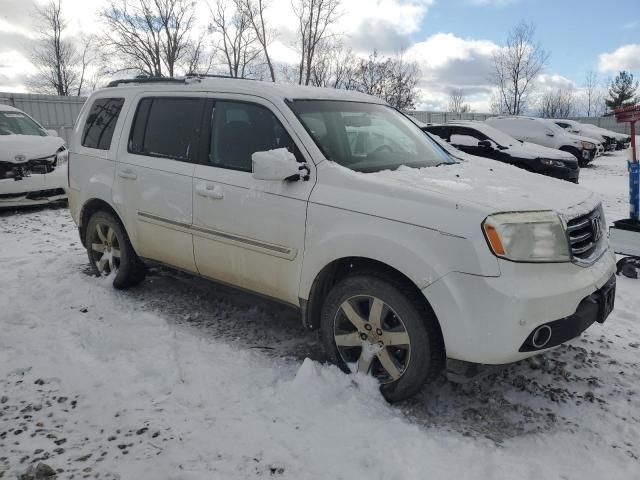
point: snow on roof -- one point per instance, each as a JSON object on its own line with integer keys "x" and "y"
{"x": 271, "y": 90}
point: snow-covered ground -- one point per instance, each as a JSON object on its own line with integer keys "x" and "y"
{"x": 180, "y": 378}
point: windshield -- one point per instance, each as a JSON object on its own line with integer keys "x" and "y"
{"x": 17, "y": 123}
{"x": 367, "y": 137}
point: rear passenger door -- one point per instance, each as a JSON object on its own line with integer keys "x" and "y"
{"x": 154, "y": 175}
{"x": 248, "y": 232}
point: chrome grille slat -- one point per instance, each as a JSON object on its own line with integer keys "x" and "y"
{"x": 580, "y": 238}
{"x": 577, "y": 226}
{"x": 579, "y": 250}
{"x": 582, "y": 233}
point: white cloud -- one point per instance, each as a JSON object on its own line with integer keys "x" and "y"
{"x": 626, "y": 57}
{"x": 555, "y": 81}
{"x": 447, "y": 62}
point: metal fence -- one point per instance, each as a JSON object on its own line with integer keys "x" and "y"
{"x": 53, "y": 112}
{"x": 443, "y": 117}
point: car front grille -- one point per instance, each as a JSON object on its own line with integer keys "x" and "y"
{"x": 34, "y": 166}
{"x": 586, "y": 233}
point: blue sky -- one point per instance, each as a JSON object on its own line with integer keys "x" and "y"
{"x": 574, "y": 31}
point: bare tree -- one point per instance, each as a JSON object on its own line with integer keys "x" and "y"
{"x": 335, "y": 66}
{"x": 254, "y": 11}
{"x": 456, "y": 101}
{"x": 54, "y": 56}
{"x": 237, "y": 44}
{"x": 197, "y": 60}
{"x": 558, "y": 103}
{"x": 392, "y": 79}
{"x": 591, "y": 92}
{"x": 149, "y": 36}
{"x": 315, "y": 17}
{"x": 516, "y": 65}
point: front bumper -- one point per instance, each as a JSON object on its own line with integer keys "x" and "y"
{"x": 563, "y": 173}
{"x": 487, "y": 319}
{"x": 37, "y": 189}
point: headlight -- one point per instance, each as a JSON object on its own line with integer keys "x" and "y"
{"x": 62, "y": 156}
{"x": 527, "y": 236}
{"x": 551, "y": 163}
{"x": 587, "y": 145}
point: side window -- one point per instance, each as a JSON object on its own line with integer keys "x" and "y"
{"x": 102, "y": 119}
{"x": 166, "y": 127}
{"x": 439, "y": 131}
{"x": 240, "y": 129}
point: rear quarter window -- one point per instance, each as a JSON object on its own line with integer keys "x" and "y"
{"x": 166, "y": 127}
{"x": 101, "y": 122}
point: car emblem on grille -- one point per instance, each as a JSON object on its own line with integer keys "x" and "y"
{"x": 596, "y": 226}
{"x": 20, "y": 158}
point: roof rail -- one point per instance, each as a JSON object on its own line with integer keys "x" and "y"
{"x": 115, "y": 83}
{"x": 207, "y": 75}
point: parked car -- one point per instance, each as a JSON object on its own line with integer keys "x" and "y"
{"x": 32, "y": 161}
{"x": 546, "y": 133}
{"x": 404, "y": 257}
{"x": 482, "y": 140}
{"x": 612, "y": 140}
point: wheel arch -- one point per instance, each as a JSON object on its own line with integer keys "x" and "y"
{"x": 342, "y": 267}
{"x": 88, "y": 209}
{"x": 572, "y": 150}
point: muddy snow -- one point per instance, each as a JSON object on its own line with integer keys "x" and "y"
{"x": 180, "y": 378}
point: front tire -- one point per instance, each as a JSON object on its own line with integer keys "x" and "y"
{"x": 379, "y": 327}
{"x": 110, "y": 251}
{"x": 576, "y": 153}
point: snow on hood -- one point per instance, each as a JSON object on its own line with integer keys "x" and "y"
{"x": 533, "y": 150}
{"x": 495, "y": 185}
{"x": 31, "y": 146}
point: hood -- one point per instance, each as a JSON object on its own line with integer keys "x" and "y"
{"x": 492, "y": 184}
{"x": 31, "y": 146}
{"x": 533, "y": 150}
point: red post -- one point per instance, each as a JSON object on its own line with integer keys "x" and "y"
{"x": 634, "y": 157}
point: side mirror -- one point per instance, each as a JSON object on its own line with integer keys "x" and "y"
{"x": 279, "y": 165}
{"x": 52, "y": 133}
{"x": 485, "y": 144}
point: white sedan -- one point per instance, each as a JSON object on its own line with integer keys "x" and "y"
{"x": 33, "y": 161}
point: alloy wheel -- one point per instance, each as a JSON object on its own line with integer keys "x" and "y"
{"x": 371, "y": 338}
{"x": 105, "y": 249}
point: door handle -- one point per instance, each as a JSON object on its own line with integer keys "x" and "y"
{"x": 210, "y": 191}
{"x": 127, "y": 173}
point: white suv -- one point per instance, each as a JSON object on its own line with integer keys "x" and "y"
{"x": 546, "y": 133}
{"x": 404, "y": 257}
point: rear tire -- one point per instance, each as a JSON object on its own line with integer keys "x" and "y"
{"x": 379, "y": 326}
{"x": 110, "y": 251}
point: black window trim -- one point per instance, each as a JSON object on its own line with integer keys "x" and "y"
{"x": 207, "y": 130}
{"x": 194, "y": 153}
{"x": 83, "y": 138}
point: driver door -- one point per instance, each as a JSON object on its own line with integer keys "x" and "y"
{"x": 466, "y": 139}
{"x": 247, "y": 232}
